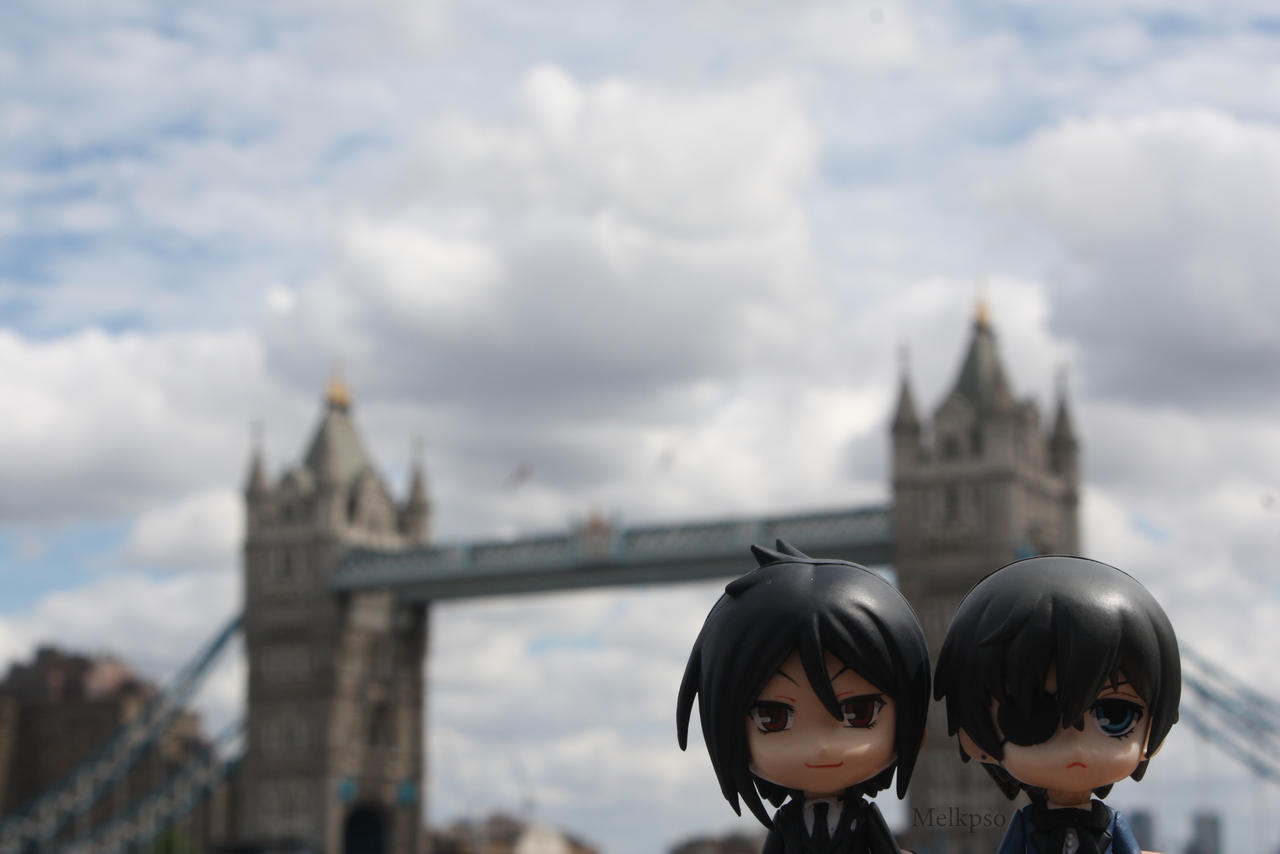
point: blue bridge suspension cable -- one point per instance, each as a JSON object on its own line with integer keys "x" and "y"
{"x": 41, "y": 821}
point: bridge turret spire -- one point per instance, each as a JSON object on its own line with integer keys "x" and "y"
{"x": 905, "y": 419}
{"x": 417, "y": 508}
{"x": 337, "y": 395}
{"x": 981, "y": 381}
{"x": 256, "y": 483}
{"x": 1064, "y": 432}
{"x": 905, "y": 429}
{"x": 337, "y": 455}
{"x": 1063, "y": 446}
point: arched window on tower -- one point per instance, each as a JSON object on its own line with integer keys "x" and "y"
{"x": 950, "y": 503}
{"x": 381, "y": 725}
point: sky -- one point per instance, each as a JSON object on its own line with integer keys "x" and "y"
{"x": 657, "y": 261}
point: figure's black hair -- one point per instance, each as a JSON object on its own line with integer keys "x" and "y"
{"x": 791, "y": 603}
{"x": 1089, "y": 620}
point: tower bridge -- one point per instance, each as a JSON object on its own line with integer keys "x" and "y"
{"x": 339, "y": 576}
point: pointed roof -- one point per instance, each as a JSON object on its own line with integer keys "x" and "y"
{"x": 256, "y": 482}
{"x": 981, "y": 381}
{"x": 337, "y": 453}
{"x": 418, "y": 480}
{"x": 905, "y": 417}
{"x": 1064, "y": 432}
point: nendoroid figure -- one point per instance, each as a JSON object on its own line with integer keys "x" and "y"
{"x": 812, "y": 678}
{"x": 1062, "y": 676}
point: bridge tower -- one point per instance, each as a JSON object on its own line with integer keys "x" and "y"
{"x": 975, "y": 487}
{"x": 334, "y": 748}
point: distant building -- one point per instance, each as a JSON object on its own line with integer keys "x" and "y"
{"x": 61, "y": 708}
{"x": 733, "y": 843}
{"x": 504, "y": 834}
{"x": 1206, "y": 833}
{"x": 1144, "y": 828}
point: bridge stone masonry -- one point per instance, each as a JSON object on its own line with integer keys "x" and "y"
{"x": 339, "y": 575}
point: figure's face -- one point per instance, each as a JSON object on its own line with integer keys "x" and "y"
{"x": 1108, "y": 749}
{"x": 796, "y": 743}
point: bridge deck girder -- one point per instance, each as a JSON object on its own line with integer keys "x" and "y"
{"x": 600, "y": 555}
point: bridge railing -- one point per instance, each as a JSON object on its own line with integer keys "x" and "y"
{"x": 604, "y": 544}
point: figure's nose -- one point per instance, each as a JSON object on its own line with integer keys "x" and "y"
{"x": 1074, "y": 731}
{"x": 825, "y": 747}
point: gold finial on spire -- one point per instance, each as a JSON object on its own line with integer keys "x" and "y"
{"x": 337, "y": 394}
{"x": 981, "y": 316}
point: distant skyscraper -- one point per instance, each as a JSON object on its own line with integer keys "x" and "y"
{"x": 1144, "y": 828}
{"x": 1206, "y": 833}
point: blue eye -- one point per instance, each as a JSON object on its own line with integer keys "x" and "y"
{"x": 1116, "y": 718}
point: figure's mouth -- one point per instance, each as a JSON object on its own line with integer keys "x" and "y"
{"x": 832, "y": 765}
{"x": 1078, "y": 764}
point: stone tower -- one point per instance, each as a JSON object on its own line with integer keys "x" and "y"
{"x": 334, "y": 750}
{"x": 980, "y": 484}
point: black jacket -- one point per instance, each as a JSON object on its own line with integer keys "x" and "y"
{"x": 861, "y": 830}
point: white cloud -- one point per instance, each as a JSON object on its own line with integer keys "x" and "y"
{"x": 602, "y": 274}
{"x": 203, "y": 530}
{"x": 418, "y": 277}
{"x": 568, "y": 701}
{"x": 105, "y": 423}
{"x": 688, "y": 162}
{"x": 156, "y": 625}
{"x": 862, "y": 34}
{"x": 1106, "y": 180}
{"x": 1168, "y": 259}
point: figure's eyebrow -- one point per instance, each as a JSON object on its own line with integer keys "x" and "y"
{"x": 1117, "y": 686}
{"x": 833, "y": 676}
{"x": 788, "y": 678}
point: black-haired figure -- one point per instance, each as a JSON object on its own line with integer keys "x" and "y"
{"x": 812, "y": 679}
{"x": 1062, "y": 676}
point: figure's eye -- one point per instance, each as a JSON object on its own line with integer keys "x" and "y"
{"x": 772, "y": 716}
{"x": 861, "y": 711}
{"x": 1116, "y": 717}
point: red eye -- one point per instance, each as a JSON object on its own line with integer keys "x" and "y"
{"x": 772, "y": 716}
{"x": 861, "y": 711}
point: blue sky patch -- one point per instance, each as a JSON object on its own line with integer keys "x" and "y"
{"x": 1145, "y": 526}
{"x": 35, "y": 563}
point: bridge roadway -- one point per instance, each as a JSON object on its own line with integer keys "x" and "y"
{"x": 597, "y": 555}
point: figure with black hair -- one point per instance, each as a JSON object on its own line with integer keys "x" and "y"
{"x": 1062, "y": 676}
{"x": 812, "y": 680}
